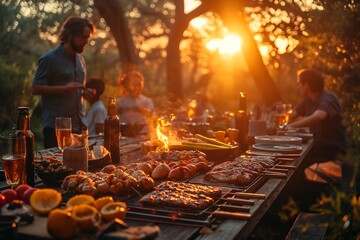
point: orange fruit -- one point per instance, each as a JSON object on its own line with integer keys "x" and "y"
{"x": 100, "y": 202}
{"x": 114, "y": 210}
{"x": 61, "y": 224}
{"x": 80, "y": 199}
{"x": 87, "y": 217}
{"x": 44, "y": 200}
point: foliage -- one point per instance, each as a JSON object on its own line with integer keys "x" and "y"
{"x": 344, "y": 209}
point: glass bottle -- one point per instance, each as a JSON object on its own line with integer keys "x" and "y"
{"x": 112, "y": 132}
{"x": 23, "y": 129}
{"x": 242, "y": 123}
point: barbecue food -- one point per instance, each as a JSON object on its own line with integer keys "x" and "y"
{"x": 240, "y": 171}
{"x": 190, "y": 188}
{"x": 181, "y": 195}
{"x": 172, "y": 165}
{"x": 110, "y": 180}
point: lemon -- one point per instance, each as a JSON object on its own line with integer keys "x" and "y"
{"x": 44, "y": 200}
{"x": 100, "y": 202}
{"x": 114, "y": 210}
{"x": 61, "y": 224}
{"x": 80, "y": 199}
{"x": 87, "y": 217}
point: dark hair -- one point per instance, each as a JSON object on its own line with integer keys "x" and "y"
{"x": 74, "y": 26}
{"x": 98, "y": 84}
{"x": 124, "y": 78}
{"x": 313, "y": 78}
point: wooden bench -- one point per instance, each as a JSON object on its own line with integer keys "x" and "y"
{"x": 309, "y": 226}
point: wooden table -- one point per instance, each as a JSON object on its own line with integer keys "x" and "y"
{"x": 226, "y": 229}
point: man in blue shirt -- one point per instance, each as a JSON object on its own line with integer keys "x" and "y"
{"x": 60, "y": 78}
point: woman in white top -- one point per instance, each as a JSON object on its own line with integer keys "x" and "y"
{"x": 134, "y": 108}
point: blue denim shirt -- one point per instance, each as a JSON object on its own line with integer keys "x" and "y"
{"x": 55, "y": 68}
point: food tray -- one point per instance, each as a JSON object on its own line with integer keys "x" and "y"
{"x": 201, "y": 180}
{"x": 134, "y": 205}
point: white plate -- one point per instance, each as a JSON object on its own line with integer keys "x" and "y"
{"x": 304, "y": 136}
{"x": 278, "y": 147}
{"x": 273, "y": 154}
{"x": 278, "y": 139}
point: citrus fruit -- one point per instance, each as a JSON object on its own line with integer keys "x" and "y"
{"x": 114, "y": 210}
{"x": 100, "y": 202}
{"x": 61, "y": 224}
{"x": 87, "y": 217}
{"x": 44, "y": 200}
{"x": 80, "y": 199}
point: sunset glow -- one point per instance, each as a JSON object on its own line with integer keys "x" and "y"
{"x": 228, "y": 45}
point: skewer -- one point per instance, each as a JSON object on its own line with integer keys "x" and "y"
{"x": 283, "y": 159}
{"x": 137, "y": 192}
{"x": 290, "y": 167}
{"x": 248, "y": 195}
{"x": 280, "y": 170}
{"x": 274, "y": 174}
{"x": 224, "y": 214}
{"x": 239, "y": 201}
{"x": 233, "y": 208}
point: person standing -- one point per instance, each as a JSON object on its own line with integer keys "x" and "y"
{"x": 97, "y": 113}
{"x": 60, "y": 78}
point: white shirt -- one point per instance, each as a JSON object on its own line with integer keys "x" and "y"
{"x": 96, "y": 114}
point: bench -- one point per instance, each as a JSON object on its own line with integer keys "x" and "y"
{"x": 309, "y": 226}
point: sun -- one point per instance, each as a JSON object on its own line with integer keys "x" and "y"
{"x": 230, "y": 44}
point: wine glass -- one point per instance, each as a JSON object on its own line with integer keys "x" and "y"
{"x": 63, "y": 132}
{"x": 13, "y": 156}
{"x": 281, "y": 115}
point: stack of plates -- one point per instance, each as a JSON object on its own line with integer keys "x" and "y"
{"x": 278, "y": 140}
{"x": 280, "y": 148}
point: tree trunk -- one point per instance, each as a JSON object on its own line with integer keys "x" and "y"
{"x": 173, "y": 68}
{"x": 230, "y": 10}
{"x": 114, "y": 15}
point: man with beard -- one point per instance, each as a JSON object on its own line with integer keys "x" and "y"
{"x": 60, "y": 78}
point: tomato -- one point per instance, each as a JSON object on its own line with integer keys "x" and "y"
{"x": 20, "y": 190}
{"x": 9, "y": 194}
{"x": 2, "y": 200}
{"x": 27, "y": 195}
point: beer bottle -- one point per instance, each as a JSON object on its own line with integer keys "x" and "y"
{"x": 112, "y": 132}
{"x": 242, "y": 123}
{"x": 23, "y": 129}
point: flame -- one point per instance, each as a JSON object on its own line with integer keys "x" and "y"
{"x": 191, "y": 108}
{"x": 162, "y": 123}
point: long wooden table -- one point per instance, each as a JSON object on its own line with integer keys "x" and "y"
{"x": 131, "y": 151}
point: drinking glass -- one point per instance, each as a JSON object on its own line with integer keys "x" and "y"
{"x": 63, "y": 132}
{"x": 281, "y": 115}
{"x": 13, "y": 155}
{"x": 289, "y": 112}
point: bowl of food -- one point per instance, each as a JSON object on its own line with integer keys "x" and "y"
{"x": 52, "y": 174}
{"x": 131, "y": 129}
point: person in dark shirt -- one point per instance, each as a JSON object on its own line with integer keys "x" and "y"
{"x": 320, "y": 111}
{"x": 60, "y": 78}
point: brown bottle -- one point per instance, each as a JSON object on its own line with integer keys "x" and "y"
{"x": 242, "y": 123}
{"x": 112, "y": 132}
{"x": 23, "y": 129}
